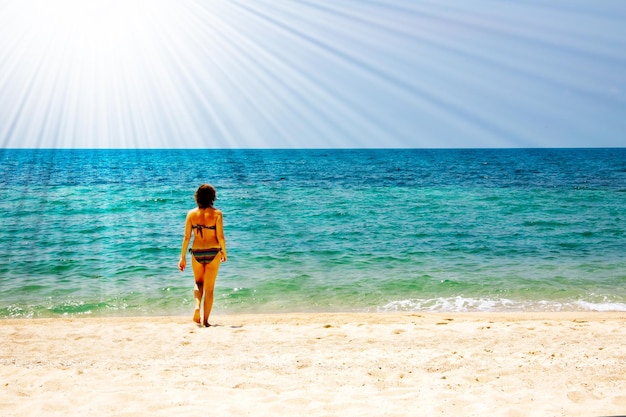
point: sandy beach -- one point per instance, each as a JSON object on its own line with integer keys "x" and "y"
{"x": 462, "y": 364}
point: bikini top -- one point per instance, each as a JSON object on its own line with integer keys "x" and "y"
{"x": 199, "y": 227}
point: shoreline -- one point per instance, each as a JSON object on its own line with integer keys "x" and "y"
{"x": 531, "y": 314}
{"x": 256, "y": 316}
{"x": 320, "y": 364}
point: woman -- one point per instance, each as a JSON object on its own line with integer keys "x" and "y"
{"x": 208, "y": 249}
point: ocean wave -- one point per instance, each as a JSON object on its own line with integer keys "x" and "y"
{"x": 469, "y": 304}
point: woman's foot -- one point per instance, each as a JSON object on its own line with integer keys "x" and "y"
{"x": 196, "y": 316}
{"x": 206, "y": 324}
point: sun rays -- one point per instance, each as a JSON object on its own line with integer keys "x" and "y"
{"x": 273, "y": 73}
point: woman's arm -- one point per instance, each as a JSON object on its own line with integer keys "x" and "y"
{"x": 186, "y": 238}
{"x": 219, "y": 226}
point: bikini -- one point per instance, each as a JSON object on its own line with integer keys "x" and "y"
{"x": 200, "y": 227}
{"x": 206, "y": 255}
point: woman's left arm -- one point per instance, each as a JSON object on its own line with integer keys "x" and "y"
{"x": 186, "y": 238}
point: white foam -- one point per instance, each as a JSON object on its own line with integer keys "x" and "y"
{"x": 468, "y": 304}
{"x": 606, "y": 306}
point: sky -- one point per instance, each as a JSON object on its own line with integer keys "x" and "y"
{"x": 312, "y": 73}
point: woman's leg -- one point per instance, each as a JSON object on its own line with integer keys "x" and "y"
{"x": 198, "y": 288}
{"x": 209, "y": 277}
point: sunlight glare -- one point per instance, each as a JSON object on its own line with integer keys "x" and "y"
{"x": 91, "y": 20}
{"x": 278, "y": 73}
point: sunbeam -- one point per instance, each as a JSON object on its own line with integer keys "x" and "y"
{"x": 312, "y": 73}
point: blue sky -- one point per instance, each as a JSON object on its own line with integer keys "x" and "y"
{"x": 312, "y": 73}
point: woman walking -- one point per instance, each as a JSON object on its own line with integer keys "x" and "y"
{"x": 207, "y": 251}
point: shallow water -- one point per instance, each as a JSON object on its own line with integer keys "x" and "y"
{"x": 98, "y": 232}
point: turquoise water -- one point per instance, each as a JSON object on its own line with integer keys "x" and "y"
{"x": 98, "y": 232}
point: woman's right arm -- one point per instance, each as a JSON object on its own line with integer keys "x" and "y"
{"x": 219, "y": 225}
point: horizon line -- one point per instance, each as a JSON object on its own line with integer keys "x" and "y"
{"x": 308, "y": 149}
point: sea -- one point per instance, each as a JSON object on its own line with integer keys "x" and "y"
{"x": 99, "y": 232}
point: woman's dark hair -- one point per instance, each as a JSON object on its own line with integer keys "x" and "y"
{"x": 205, "y": 196}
